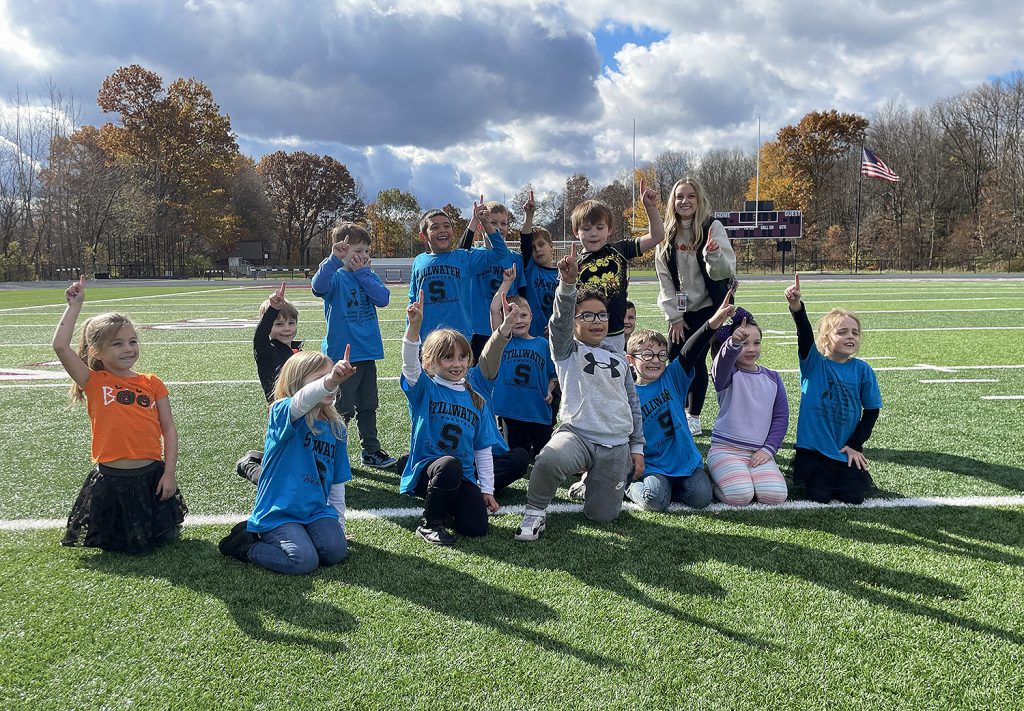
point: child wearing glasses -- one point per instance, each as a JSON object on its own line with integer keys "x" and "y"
{"x": 674, "y": 469}
{"x": 601, "y": 430}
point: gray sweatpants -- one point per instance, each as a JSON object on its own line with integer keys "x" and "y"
{"x": 568, "y": 453}
{"x": 357, "y": 397}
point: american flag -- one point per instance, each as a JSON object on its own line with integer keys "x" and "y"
{"x": 872, "y": 167}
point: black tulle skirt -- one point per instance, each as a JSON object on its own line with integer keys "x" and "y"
{"x": 118, "y": 510}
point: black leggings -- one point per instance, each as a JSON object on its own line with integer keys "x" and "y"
{"x": 699, "y": 385}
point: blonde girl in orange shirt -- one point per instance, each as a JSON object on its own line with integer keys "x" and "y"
{"x": 130, "y": 500}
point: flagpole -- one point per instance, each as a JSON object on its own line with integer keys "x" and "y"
{"x": 860, "y": 183}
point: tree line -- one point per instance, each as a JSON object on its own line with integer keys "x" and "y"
{"x": 163, "y": 189}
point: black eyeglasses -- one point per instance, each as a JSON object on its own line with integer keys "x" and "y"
{"x": 591, "y": 316}
{"x": 648, "y": 355}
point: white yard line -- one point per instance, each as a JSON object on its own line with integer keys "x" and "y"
{"x": 960, "y": 380}
{"x": 1002, "y": 397}
{"x": 41, "y": 524}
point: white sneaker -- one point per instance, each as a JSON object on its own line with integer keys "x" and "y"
{"x": 532, "y": 526}
{"x": 578, "y": 490}
{"x": 694, "y": 424}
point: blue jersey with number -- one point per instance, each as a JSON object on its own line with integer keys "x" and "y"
{"x": 446, "y": 280}
{"x": 669, "y": 447}
{"x": 299, "y": 468}
{"x": 833, "y": 397}
{"x": 486, "y": 284}
{"x": 522, "y": 382}
{"x": 444, "y": 423}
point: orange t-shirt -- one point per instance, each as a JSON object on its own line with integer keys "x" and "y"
{"x": 123, "y": 415}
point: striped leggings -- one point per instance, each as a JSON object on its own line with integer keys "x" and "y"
{"x": 737, "y": 483}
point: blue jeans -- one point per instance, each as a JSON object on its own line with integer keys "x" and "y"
{"x": 655, "y": 492}
{"x": 297, "y": 549}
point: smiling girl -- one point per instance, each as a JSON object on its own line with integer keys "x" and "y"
{"x": 130, "y": 500}
{"x": 839, "y": 405}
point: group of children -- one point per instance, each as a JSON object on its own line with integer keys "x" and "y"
{"x": 497, "y": 350}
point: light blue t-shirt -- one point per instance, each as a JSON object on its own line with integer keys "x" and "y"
{"x": 444, "y": 423}
{"x": 833, "y": 397}
{"x": 522, "y": 381}
{"x": 446, "y": 280}
{"x": 350, "y": 312}
{"x": 486, "y": 284}
{"x": 299, "y": 469}
{"x": 485, "y": 388}
{"x": 669, "y": 447}
{"x": 541, "y": 283}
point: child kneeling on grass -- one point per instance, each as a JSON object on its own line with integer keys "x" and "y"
{"x": 752, "y": 418}
{"x": 602, "y": 430}
{"x": 839, "y": 406}
{"x": 297, "y": 522}
{"x": 450, "y": 462}
{"x": 673, "y": 466}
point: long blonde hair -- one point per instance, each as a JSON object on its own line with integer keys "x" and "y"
{"x": 97, "y": 333}
{"x": 290, "y": 380}
{"x": 445, "y": 343}
{"x": 700, "y": 215}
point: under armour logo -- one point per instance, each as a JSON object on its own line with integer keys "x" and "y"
{"x": 592, "y": 363}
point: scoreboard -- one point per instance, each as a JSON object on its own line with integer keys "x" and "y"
{"x": 762, "y": 224}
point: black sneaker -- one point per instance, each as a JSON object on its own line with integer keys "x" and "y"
{"x": 250, "y": 466}
{"x": 378, "y": 460}
{"x": 237, "y": 543}
{"x": 435, "y": 534}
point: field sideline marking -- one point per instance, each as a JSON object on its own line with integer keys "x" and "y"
{"x": 961, "y": 380}
{"x": 42, "y": 524}
{"x": 1002, "y": 397}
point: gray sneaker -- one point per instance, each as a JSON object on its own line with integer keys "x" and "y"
{"x": 378, "y": 460}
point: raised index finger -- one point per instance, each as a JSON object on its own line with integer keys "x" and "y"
{"x": 572, "y": 251}
{"x": 348, "y": 350}
{"x": 796, "y": 280}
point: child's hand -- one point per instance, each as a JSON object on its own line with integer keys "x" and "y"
{"x": 854, "y": 457}
{"x": 530, "y": 207}
{"x": 415, "y": 312}
{"x": 491, "y": 503}
{"x": 509, "y": 276}
{"x": 568, "y": 269}
{"x": 793, "y": 294}
{"x": 75, "y": 294}
{"x": 358, "y": 261}
{"x": 482, "y": 216}
{"x": 741, "y": 333}
{"x": 550, "y": 397}
{"x": 510, "y": 313}
{"x": 277, "y": 298}
{"x": 760, "y": 457}
{"x": 725, "y": 311}
{"x": 638, "y": 466}
{"x": 342, "y": 371}
{"x": 340, "y": 249}
{"x": 166, "y": 487}
{"x": 649, "y": 197}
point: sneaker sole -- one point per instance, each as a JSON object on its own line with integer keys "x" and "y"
{"x": 385, "y": 465}
{"x": 519, "y": 532}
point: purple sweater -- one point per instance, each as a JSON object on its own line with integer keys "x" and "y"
{"x": 753, "y": 411}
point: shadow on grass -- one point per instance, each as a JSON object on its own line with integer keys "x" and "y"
{"x": 251, "y": 594}
{"x": 651, "y": 553}
{"x": 1001, "y": 474}
{"x": 456, "y": 594}
{"x": 657, "y": 555}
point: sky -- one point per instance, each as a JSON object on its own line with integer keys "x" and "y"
{"x": 451, "y": 99}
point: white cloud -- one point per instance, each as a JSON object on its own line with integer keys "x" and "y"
{"x": 448, "y": 98}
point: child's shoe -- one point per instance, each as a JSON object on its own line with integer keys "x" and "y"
{"x": 578, "y": 490}
{"x": 250, "y": 466}
{"x": 533, "y": 525}
{"x": 378, "y": 460}
{"x": 237, "y": 543}
{"x": 435, "y": 534}
{"x": 693, "y": 422}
